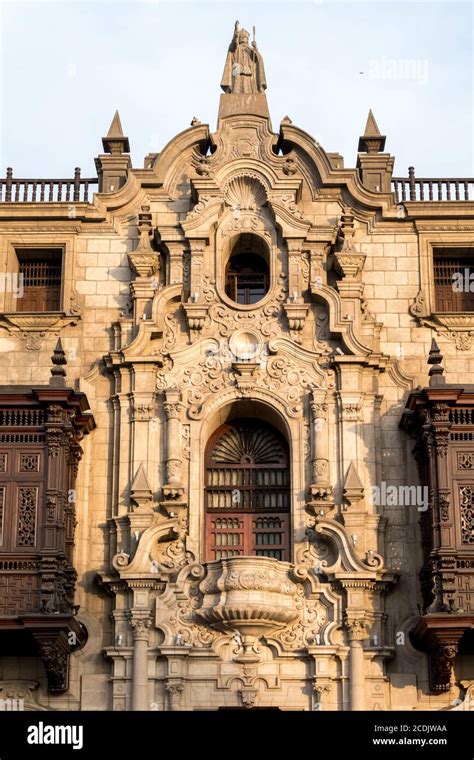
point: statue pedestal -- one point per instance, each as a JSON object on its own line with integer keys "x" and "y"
{"x": 236, "y": 104}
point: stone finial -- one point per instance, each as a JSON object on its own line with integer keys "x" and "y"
{"x": 140, "y": 491}
{"x": 195, "y": 121}
{"x": 58, "y": 373}
{"x": 286, "y": 120}
{"x": 371, "y": 141}
{"x": 436, "y": 372}
{"x": 353, "y": 487}
{"x": 115, "y": 142}
{"x": 144, "y": 260}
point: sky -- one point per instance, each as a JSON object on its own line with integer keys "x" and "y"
{"x": 66, "y": 66}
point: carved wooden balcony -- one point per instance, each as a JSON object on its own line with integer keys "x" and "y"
{"x": 441, "y": 419}
{"x": 40, "y": 431}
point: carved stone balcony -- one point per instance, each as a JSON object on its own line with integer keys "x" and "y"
{"x": 252, "y": 595}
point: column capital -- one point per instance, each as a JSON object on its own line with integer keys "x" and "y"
{"x": 140, "y": 626}
{"x": 319, "y": 408}
{"x": 357, "y": 628}
{"x": 172, "y": 404}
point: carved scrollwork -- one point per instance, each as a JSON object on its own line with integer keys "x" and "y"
{"x": 418, "y": 307}
{"x": 465, "y": 461}
{"x": 306, "y": 631}
{"x": 202, "y": 204}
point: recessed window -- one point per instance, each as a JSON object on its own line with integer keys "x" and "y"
{"x": 40, "y": 272}
{"x": 454, "y": 279}
{"x": 247, "y": 492}
{"x": 40, "y": 278}
{"x": 247, "y": 276}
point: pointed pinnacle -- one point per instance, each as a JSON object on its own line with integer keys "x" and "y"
{"x": 58, "y": 360}
{"x": 371, "y": 128}
{"x": 352, "y": 478}
{"x": 436, "y": 372}
{"x": 115, "y": 129}
{"x": 115, "y": 141}
{"x": 371, "y": 141}
{"x": 434, "y": 355}
{"x": 140, "y": 481}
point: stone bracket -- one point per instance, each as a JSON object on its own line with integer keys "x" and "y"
{"x": 196, "y": 314}
{"x": 296, "y": 314}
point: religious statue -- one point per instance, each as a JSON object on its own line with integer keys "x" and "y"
{"x": 243, "y": 70}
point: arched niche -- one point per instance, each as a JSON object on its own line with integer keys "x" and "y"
{"x": 246, "y": 217}
{"x": 247, "y": 269}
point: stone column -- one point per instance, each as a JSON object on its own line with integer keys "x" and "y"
{"x": 357, "y": 631}
{"x": 141, "y": 634}
{"x": 173, "y": 437}
{"x": 321, "y": 490}
{"x": 319, "y": 437}
{"x": 197, "y": 269}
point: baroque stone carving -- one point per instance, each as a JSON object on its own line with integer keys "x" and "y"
{"x": 306, "y": 631}
{"x": 234, "y": 587}
{"x": 245, "y": 192}
{"x": 351, "y": 412}
{"x": 418, "y": 307}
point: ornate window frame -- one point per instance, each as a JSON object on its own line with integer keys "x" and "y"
{"x": 33, "y": 326}
{"x": 456, "y": 326}
{"x": 229, "y": 229}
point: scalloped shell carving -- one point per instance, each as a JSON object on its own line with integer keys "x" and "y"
{"x": 245, "y": 192}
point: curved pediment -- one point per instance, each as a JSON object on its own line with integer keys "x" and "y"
{"x": 302, "y": 142}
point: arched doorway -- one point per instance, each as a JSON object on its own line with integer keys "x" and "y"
{"x": 247, "y": 497}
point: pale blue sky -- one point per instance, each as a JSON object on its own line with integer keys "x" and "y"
{"x": 66, "y": 67}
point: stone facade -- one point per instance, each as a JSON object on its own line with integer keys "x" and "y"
{"x": 327, "y": 357}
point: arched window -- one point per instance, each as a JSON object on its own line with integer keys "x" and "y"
{"x": 247, "y": 492}
{"x": 247, "y": 277}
